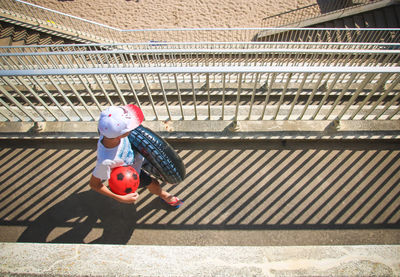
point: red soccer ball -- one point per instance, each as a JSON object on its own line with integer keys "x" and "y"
{"x": 123, "y": 180}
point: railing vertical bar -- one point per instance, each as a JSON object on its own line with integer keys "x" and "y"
{"x": 282, "y": 97}
{"x": 266, "y": 100}
{"x": 239, "y": 91}
{"x": 223, "y": 96}
{"x": 54, "y": 100}
{"x": 101, "y": 58}
{"x": 149, "y": 94}
{"x": 13, "y": 61}
{"x": 65, "y": 97}
{"x": 59, "y": 61}
{"x": 374, "y": 36}
{"x": 21, "y": 60}
{"x": 388, "y": 37}
{"x": 88, "y": 89}
{"x": 394, "y": 99}
{"x": 253, "y": 95}
{"x": 92, "y": 60}
{"x": 41, "y": 62}
{"x": 4, "y": 104}
{"x": 51, "y": 59}
{"x": 300, "y": 89}
{"x": 378, "y": 85}
{"x": 132, "y": 59}
{"x": 105, "y": 93}
{"x": 208, "y": 95}
{"x": 123, "y": 58}
{"x": 396, "y": 111}
{"x": 37, "y": 62}
{"x": 175, "y": 59}
{"x": 326, "y": 95}
{"x": 392, "y": 59}
{"x": 5, "y": 63}
{"x": 28, "y": 87}
{"x": 78, "y": 58}
{"x": 22, "y": 95}
{"x": 78, "y": 96}
{"x": 108, "y": 63}
{"x": 131, "y": 85}
{"x": 17, "y": 104}
{"x": 146, "y": 60}
{"x": 350, "y": 102}
{"x": 114, "y": 82}
{"x": 194, "y": 96}
{"x": 344, "y": 90}
{"x": 164, "y": 95}
{"x": 179, "y": 96}
{"x": 314, "y": 91}
{"x": 117, "y": 61}
{"x": 89, "y": 60}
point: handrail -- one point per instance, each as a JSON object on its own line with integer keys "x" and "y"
{"x": 92, "y": 57}
{"x": 388, "y": 50}
{"x": 203, "y": 70}
{"x": 181, "y": 45}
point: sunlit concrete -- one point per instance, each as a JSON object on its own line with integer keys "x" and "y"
{"x": 107, "y": 260}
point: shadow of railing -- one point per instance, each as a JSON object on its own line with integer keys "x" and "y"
{"x": 262, "y": 185}
{"x": 230, "y": 185}
{"x": 312, "y": 11}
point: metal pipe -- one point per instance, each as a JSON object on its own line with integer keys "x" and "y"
{"x": 202, "y": 70}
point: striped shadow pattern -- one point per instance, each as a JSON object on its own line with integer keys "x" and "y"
{"x": 283, "y": 185}
{"x": 230, "y": 185}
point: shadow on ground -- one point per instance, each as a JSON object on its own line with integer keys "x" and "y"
{"x": 76, "y": 219}
{"x": 230, "y": 186}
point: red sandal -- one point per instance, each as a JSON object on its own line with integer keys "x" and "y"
{"x": 175, "y": 204}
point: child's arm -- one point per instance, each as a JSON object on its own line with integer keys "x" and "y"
{"x": 97, "y": 185}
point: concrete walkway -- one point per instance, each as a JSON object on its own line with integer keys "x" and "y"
{"x": 252, "y": 208}
{"x": 236, "y": 193}
{"x": 112, "y": 260}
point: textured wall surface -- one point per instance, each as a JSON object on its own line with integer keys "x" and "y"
{"x": 146, "y": 14}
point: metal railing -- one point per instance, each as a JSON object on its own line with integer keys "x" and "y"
{"x": 202, "y": 81}
{"x": 256, "y": 74}
{"x": 312, "y": 11}
{"x": 269, "y": 54}
{"x": 204, "y": 93}
{"x": 329, "y": 35}
{"x": 344, "y": 38}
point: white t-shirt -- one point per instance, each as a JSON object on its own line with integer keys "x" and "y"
{"x": 120, "y": 155}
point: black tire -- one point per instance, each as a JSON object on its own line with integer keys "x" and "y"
{"x": 159, "y": 153}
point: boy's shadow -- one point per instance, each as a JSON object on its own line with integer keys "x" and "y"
{"x": 80, "y": 215}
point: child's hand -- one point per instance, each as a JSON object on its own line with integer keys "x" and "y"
{"x": 129, "y": 198}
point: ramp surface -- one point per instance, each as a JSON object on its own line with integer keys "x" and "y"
{"x": 237, "y": 193}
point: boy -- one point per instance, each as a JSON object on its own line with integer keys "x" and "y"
{"x": 114, "y": 149}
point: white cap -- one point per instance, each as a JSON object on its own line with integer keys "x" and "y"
{"x": 116, "y": 121}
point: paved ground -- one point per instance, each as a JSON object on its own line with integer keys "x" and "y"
{"x": 21, "y": 259}
{"x": 252, "y": 193}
